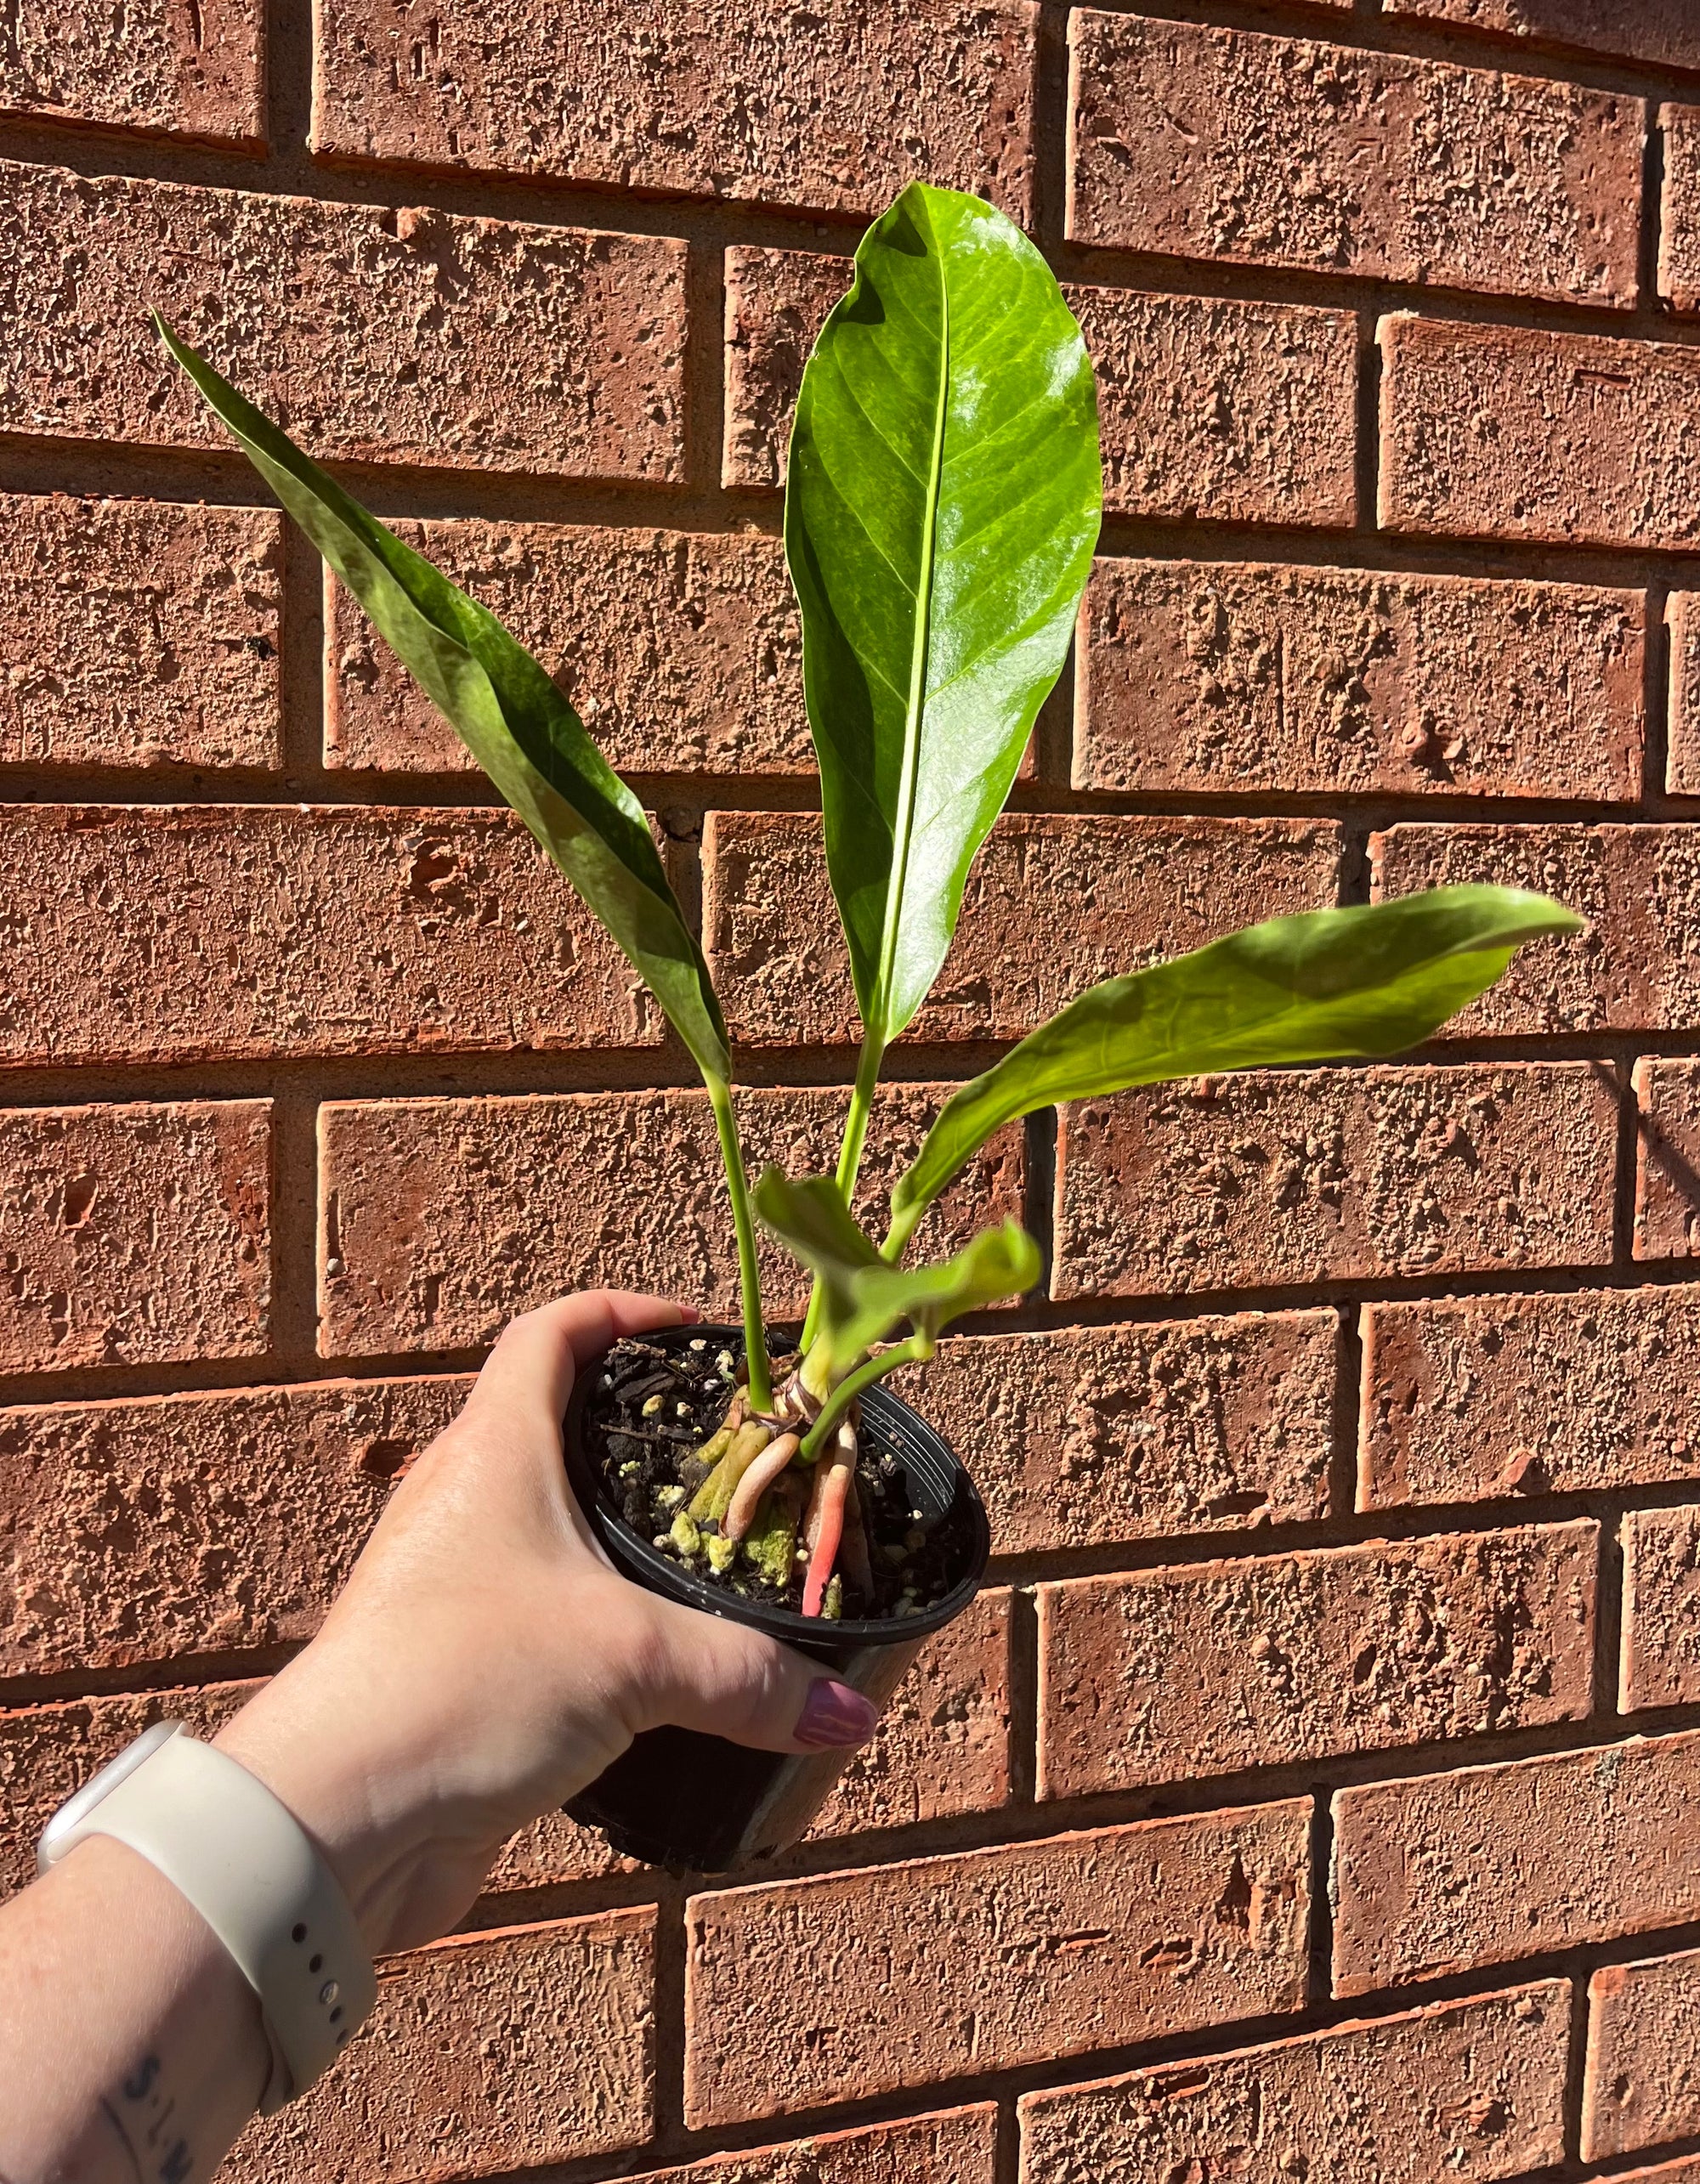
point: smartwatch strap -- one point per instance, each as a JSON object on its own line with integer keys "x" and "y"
{"x": 244, "y": 1861}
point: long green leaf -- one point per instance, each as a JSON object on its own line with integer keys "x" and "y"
{"x": 941, "y": 510}
{"x": 1355, "y": 982}
{"x": 862, "y": 1298}
{"x": 506, "y": 711}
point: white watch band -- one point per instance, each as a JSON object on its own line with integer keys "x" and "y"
{"x": 244, "y": 1861}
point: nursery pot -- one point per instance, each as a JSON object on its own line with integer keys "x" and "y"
{"x": 696, "y": 1803}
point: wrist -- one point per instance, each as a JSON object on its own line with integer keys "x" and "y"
{"x": 363, "y": 1823}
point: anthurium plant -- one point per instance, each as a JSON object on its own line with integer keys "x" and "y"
{"x": 941, "y": 514}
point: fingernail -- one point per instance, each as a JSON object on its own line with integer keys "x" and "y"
{"x": 835, "y": 1715}
{"x": 688, "y": 1316}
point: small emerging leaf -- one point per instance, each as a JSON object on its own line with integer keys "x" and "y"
{"x": 505, "y": 709}
{"x": 1364, "y": 981}
{"x": 862, "y": 1298}
{"x": 811, "y": 1218}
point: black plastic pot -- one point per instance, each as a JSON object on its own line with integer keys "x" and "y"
{"x": 696, "y": 1803}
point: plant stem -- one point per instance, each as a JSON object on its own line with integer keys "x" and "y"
{"x": 749, "y": 1272}
{"x": 914, "y": 1351}
{"x": 868, "y": 1063}
{"x": 897, "y": 1235}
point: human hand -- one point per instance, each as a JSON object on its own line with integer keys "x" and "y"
{"x": 485, "y": 1661}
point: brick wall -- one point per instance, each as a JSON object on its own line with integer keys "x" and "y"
{"x": 1312, "y": 1795}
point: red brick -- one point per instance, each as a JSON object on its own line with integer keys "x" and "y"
{"x": 150, "y": 934}
{"x": 1342, "y": 1174}
{"x": 1089, "y": 1436}
{"x": 1215, "y": 1666}
{"x": 433, "y": 1216}
{"x": 498, "y": 2051}
{"x": 372, "y": 335}
{"x": 157, "y": 67}
{"x": 1294, "y": 153}
{"x": 1661, "y": 1656}
{"x": 1052, "y": 906}
{"x": 1562, "y": 436}
{"x": 1642, "y": 2087}
{"x": 1678, "y": 228}
{"x": 990, "y": 1959}
{"x": 957, "y": 2148}
{"x": 1470, "y": 2089}
{"x": 553, "y": 1852}
{"x": 1668, "y": 1159}
{"x": 1639, "y": 887}
{"x": 1667, "y": 2172}
{"x": 139, "y": 633}
{"x": 163, "y": 1525}
{"x": 1682, "y": 763}
{"x": 134, "y": 1234}
{"x": 681, "y": 649}
{"x": 1661, "y": 30}
{"x": 1233, "y": 412}
{"x": 1466, "y": 1399}
{"x": 776, "y": 303}
{"x": 1241, "y": 412}
{"x": 942, "y": 1743}
{"x": 706, "y": 101}
{"x": 1443, "y": 1874}
{"x": 1229, "y": 677}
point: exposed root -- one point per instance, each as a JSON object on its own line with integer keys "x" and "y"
{"x": 699, "y": 1466}
{"x": 758, "y": 1477}
{"x": 826, "y": 1522}
{"x": 714, "y": 1496}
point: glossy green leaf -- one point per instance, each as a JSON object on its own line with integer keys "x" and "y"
{"x": 864, "y": 1299}
{"x": 941, "y": 510}
{"x": 503, "y": 706}
{"x": 1364, "y": 981}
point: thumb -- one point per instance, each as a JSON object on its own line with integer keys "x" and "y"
{"x": 732, "y": 1682}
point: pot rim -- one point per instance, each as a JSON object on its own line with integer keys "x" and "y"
{"x": 894, "y": 1423}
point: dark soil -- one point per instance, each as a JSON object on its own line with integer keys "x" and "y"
{"x": 649, "y": 1412}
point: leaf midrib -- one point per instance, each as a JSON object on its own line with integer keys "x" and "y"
{"x": 921, "y": 649}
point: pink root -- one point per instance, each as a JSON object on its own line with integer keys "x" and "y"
{"x": 740, "y": 1510}
{"x": 825, "y": 1525}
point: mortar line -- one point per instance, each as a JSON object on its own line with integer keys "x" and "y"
{"x": 1023, "y": 1739}
{"x": 1651, "y": 210}
{"x": 1367, "y": 455}
{"x": 1575, "y": 2069}
{"x": 1319, "y": 1969}
{"x": 1608, "y": 1619}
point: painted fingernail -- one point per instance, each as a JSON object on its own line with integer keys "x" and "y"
{"x": 835, "y": 1715}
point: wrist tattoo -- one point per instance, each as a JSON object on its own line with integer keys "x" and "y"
{"x": 143, "y": 2112}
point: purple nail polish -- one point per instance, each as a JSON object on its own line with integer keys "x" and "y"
{"x": 835, "y": 1715}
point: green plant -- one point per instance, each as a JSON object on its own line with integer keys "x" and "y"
{"x": 941, "y": 514}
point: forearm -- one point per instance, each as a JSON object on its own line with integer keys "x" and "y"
{"x": 482, "y": 1666}
{"x": 139, "y": 2041}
